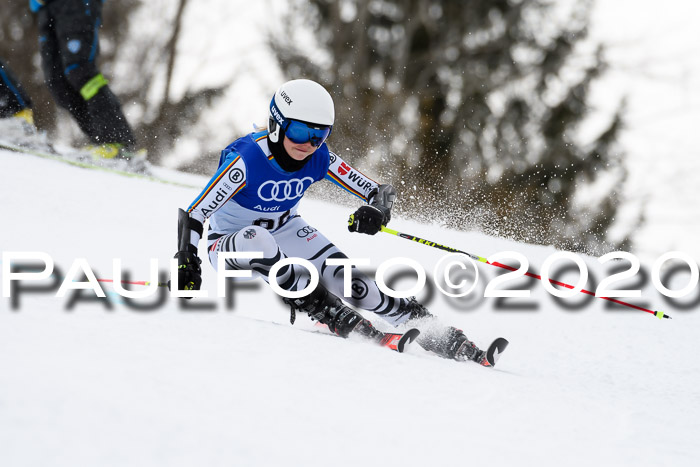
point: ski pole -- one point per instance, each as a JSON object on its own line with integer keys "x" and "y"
{"x": 658, "y": 314}
{"x": 160, "y": 284}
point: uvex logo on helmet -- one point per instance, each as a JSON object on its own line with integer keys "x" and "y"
{"x": 286, "y": 98}
{"x": 274, "y": 111}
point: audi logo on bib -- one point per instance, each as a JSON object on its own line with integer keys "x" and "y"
{"x": 305, "y": 231}
{"x": 283, "y": 190}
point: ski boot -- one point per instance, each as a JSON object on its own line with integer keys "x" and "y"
{"x": 115, "y": 151}
{"x": 450, "y": 342}
{"x": 446, "y": 341}
{"x": 326, "y": 308}
{"x": 118, "y": 156}
{"x": 25, "y": 117}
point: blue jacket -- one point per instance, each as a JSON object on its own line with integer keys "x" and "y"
{"x": 36, "y": 5}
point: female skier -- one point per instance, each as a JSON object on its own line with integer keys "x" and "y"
{"x": 251, "y": 203}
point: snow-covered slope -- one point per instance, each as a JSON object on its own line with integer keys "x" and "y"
{"x": 224, "y": 385}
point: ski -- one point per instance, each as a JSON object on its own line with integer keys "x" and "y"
{"x": 85, "y": 162}
{"x": 398, "y": 341}
{"x": 392, "y": 340}
{"x": 493, "y": 353}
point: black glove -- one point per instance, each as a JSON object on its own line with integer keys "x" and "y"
{"x": 189, "y": 273}
{"x": 368, "y": 219}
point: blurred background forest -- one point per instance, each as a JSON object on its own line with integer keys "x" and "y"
{"x": 472, "y": 108}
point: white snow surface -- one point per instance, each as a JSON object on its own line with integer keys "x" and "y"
{"x": 240, "y": 386}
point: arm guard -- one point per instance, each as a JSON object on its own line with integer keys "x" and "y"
{"x": 383, "y": 197}
{"x": 185, "y": 226}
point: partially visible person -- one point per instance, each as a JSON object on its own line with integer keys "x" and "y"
{"x": 69, "y": 47}
{"x": 14, "y": 101}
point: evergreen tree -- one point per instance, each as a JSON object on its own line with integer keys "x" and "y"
{"x": 471, "y": 106}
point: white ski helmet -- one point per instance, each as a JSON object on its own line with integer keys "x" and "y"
{"x": 304, "y": 101}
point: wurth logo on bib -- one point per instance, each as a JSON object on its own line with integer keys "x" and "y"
{"x": 344, "y": 168}
{"x": 359, "y": 181}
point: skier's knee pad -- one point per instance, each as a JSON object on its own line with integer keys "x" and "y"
{"x": 256, "y": 238}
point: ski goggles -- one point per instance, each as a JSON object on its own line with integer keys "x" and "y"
{"x": 300, "y": 133}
